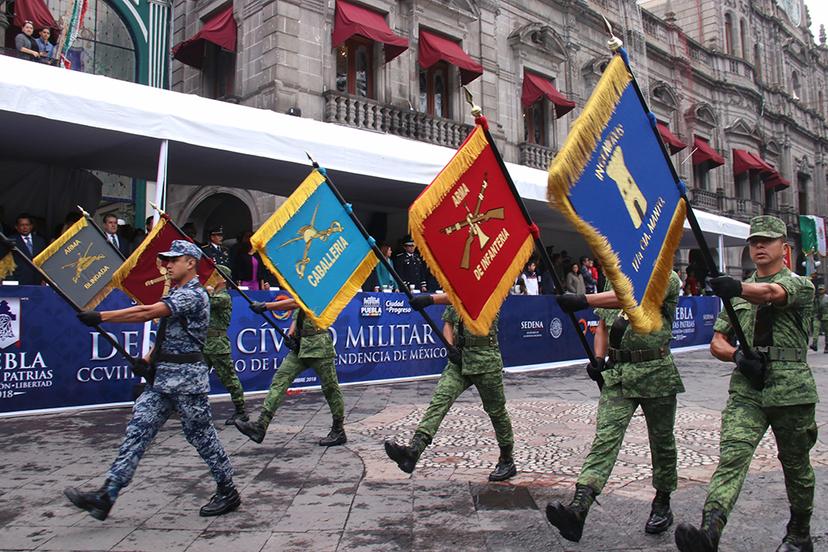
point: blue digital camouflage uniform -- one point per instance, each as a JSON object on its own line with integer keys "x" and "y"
{"x": 316, "y": 351}
{"x": 651, "y": 384}
{"x": 483, "y": 368}
{"x": 786, "y": 404}
{"x": 179, "y": 388}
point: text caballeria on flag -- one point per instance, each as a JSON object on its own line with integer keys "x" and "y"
{"x": 315, "y": 250}
{"x": 613, "y": 181}
{"x": 471, "y": 232}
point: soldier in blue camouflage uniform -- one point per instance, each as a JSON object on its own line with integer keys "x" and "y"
{"x": 638, "y": 371}
{"x": 771, "y": 386}
{"x": 179, "y": 385}
{"x": 311, "y": 347}
{"x": 475, "y": 360}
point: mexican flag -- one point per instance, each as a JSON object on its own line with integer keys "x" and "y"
{"x": 812, "y": 229}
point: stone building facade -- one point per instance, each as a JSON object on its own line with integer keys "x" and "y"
{"x": 734, "y": 74}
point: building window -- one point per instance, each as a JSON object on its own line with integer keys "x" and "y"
{"x": 795, "y": 85}
{"x": 219, "y": 72}
{"x": 534, "y": 123}
{"x": 802, "y": 186}
{"x": 743, "y": 38}
{"x": 728, "y": 30}
{"x": 757, "y": 63}
{"x": 821, "y": 100}
{"x": 701, "y": 176}
{"x": 104, "y": 45}
{"x": 757, "y": 187}
{"x": 434, "y": 97}
{"x": 743, "y": 185}
{"x": 355, "y": 67}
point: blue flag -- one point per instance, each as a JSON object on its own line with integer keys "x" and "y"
{"x": 613, "y": 180}
{"x": 315, "y": 249}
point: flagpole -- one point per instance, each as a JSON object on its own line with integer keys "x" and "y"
{"x": 94, "y": 225}
{"x": 616, "y": 46}
{"x": 534, "y": 230}
{"x": 285, "y": 338}
{"x": 114, "y": 342}
{"x": 377, "y": 251}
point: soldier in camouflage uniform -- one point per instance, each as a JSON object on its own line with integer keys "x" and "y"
{"x": 638, "y": 371}
{"x": 179, "y": 385}
{"x": 820, "y": 318}
{"x": 217, "y": 348}
{"x": 474, "y": 361}
{"x": 771, "y": 385}
{"x": 311, "y": 347}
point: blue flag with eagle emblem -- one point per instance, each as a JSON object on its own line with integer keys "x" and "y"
{"x": 616, "y": 184}
{"x": 315, "y": 249}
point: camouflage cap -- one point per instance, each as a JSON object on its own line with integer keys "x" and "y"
{"x": 767, "y": 226}
{"x": 224, "y": 270}
{"x": 182, "y": 247}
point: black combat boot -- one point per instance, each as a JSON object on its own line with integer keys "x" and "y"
{"x": 240, "y": 414}
{"x": 256, "y": 431}
{"x": 225, "y": 500}
{"x": 406, "y": 456}
{"x": 814, "y": 346}
{"x": 704, "y": 538}
{"x": 505, "y": 465}
{"x": 97, "y": 503}
{"x": 570, "y": 519}
{"x": 336, "y": 436}
{"x": 661, "y": 517}
{"x": 798, "y": 536}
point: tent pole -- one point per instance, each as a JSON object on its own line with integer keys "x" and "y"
{"x": 161, "y": 181}
{"x": 722, "y": 267}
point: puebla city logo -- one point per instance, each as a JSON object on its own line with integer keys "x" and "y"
{"x": 9, "y": 322}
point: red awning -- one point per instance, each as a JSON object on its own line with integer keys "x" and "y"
{"x": 744, "y": 161}
{"x": 536, "y": 87}
{"x": 435, "y": 48}
{"x": 351, "y": 20}
{"x": 766, "y": 168}
{"x": 34, "y": 11}
{"x": 776, "y": 182}
{"x": 219, "y": 29}
{"x": 671, "y": 140}
{"x": 704, "y": 153}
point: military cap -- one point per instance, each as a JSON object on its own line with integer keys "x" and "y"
{"x": 821, "y": 287}
{"x": 766, "y": 226}
{"x": 182, "y": 247}
{"x": 217, "y": 230}
{"x": 408, "y": 240}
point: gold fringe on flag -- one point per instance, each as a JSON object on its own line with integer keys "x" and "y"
{"x": 7, "y": 265}
{"x": 123, "y": 271}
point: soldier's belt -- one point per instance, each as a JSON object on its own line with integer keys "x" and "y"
{"x": 215, "y": 332}
{"x": 308, "y": 333}
{"x": 638, "y": 355}
{"x": 784, "y": 354}
{"x": 179, "y": 358}
{"x": 480, "y": 341}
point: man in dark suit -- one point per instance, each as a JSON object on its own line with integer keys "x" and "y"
{"x": 214, "y": 248}
{"x": 110, "y": 227}
{"x": 30, "y": 244}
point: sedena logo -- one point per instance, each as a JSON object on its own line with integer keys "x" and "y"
{"x": 555, "y": 328}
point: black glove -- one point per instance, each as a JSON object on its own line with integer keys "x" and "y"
{"x": 292, "y": 343}
{"x": 258, "y": 307}
{"x": 144, "y": 369}
{"x": 752, "y": 367}
{"x": 572, "y": 303}
{"x": 90, "y": 318}
{"x": 455, "y": 356}
{"x": 594, "y": 370}
{"x": 726, "y": 287}
{"x": 421, "y": 301}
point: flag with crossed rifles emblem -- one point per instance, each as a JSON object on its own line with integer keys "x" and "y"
{"x": 615, "y": 183}
{"x": 81, "y": 263}
{"x": 471, "y": 232}
{"x": 315, "y": 249}
{"x": 143, "y": 276}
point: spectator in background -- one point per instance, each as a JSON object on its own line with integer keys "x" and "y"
{"x": 600, "y": 277}
{"x": 586, "y": 272}
{"x": 30, "y": 244}
{"x": 410, "y": 266}
{"x": 531, "y": 278}
{"x": 691, "y": 284}
{"x": 25, "y": 44}
{"x": 247, "y": 267}
{"x": 110, "y": 226}
{"x": 575, "y": 280}
{"x": 190, "y": 231}
{"x": 46, "y": 49}
{"x": 556, "y": 265}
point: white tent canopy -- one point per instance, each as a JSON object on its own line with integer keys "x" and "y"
{"x": 95, "y": 122}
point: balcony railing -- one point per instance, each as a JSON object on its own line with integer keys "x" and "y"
{"x": 744, "y": 209}
{"x": 787, "y": 214}
{"x": 706, "y": 200}
{"x": 535, "y": 156}
{"x": 368, "y": 114}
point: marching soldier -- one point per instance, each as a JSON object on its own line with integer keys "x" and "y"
{"x": 472, "y": 360}
{"x": 217, "y": 348}
{"x": 820, "y": 318}
{"x": 410, "y": 266}
{"x": 638, "y": 371}
{"x": 771, "y": 385}
{"x": 311, "y": 347}
{"x": 214, "y": 248}
{"x": 178, "y": 382}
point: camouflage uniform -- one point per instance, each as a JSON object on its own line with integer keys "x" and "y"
{"x": 651, "y": 384}
{"x": 316, "y": 351}
{"x": 483, "y": 368}
{"x": 786, "y": 403}
{"x": 217, "y": 348}
{"x": 820, "y": 320}
{"x": 178, "y": 387}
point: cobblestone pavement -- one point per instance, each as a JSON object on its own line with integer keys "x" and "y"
{"x": 299, "y": 496}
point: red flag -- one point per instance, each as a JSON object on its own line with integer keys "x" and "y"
{"x": 471, "y": 232}
{"x": 142, "y": 276}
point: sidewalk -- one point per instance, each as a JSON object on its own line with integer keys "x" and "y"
{"x": 299, "y": 496}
